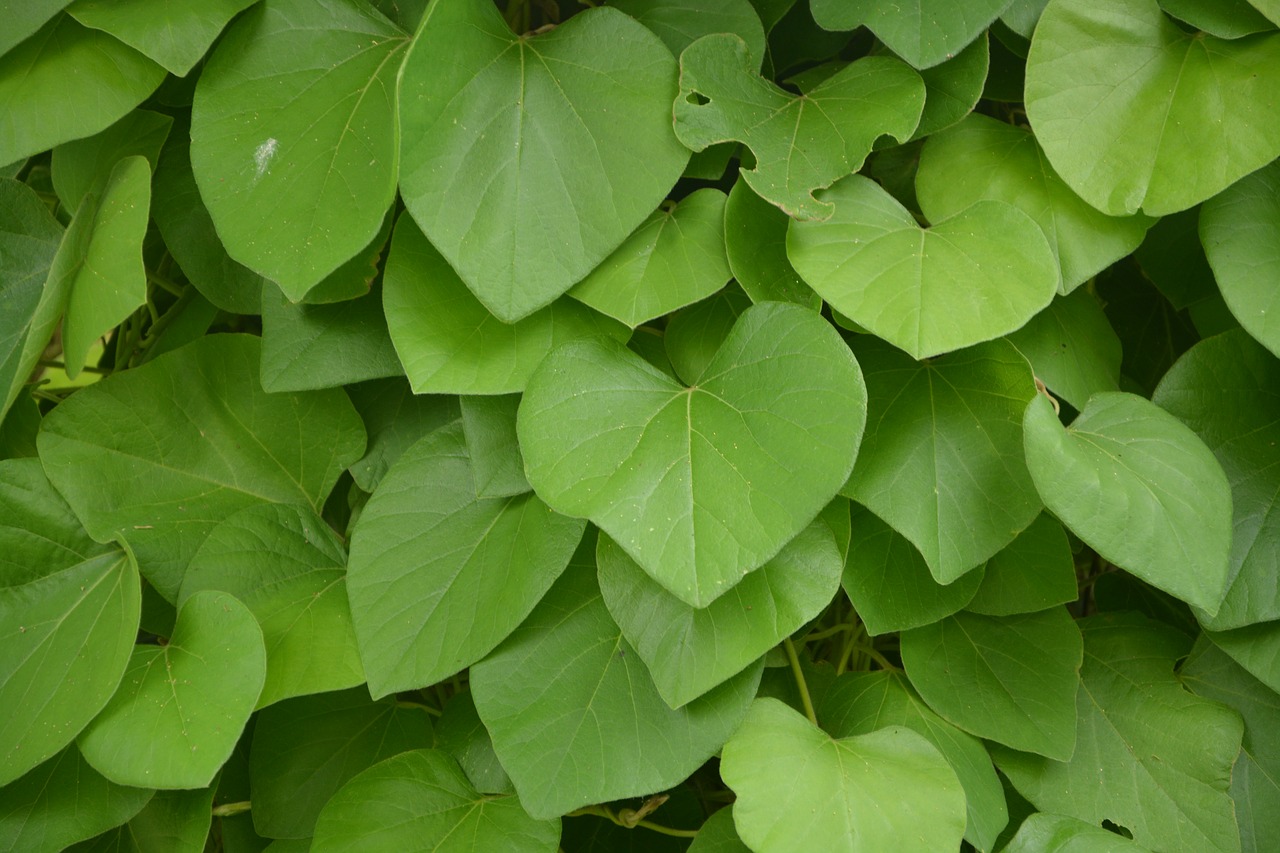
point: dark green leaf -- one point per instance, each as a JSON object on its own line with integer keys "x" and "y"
{"x": 1033, "y": 572}
{"x": 394, "y": 418}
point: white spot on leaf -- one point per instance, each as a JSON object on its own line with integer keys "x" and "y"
{"x": 262, "y": 157}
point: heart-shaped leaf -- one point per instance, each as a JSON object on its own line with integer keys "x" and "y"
{"x": 1138, "y": 487}
{"x": 943, "y": 440}
{"x": 923, "y": 32}
{"x": 1223, "y": 389}
{"x": 982, "y": 158}
{"x": 181, "y": 707}
{"x": 1072, "y": 348}
{"x": 557, "y": 692}
{"x": 801, "y": 143}
{"x": 421, "y": 800}
{"x": 1136, "y": 113}
{"x": 293, "y": 136}
{"x": 799, "y": 790}
{"x": 1010, "y": 679}
{"x": 675, "y": 258}
{"x": 698, "y": 485}
{"x": 60, "y": 593}
{"x": 448, "y": 341}
{"x": 431, "y": 596}
{"x": 689, "y": 650}
{"x": 976, "y": 276}
{"x": 1240, "y": 229}
{"x": 528, "y": 159}
{"x": 288, "y": 567}
{"x": 176, "y": 35}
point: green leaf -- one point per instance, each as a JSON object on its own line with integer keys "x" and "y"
{"x": 102, "y": 256}
{"x": 528, "y": 159}
{"x": 438, "y": 576}
{"x": 161, "y": 453}
{"x": 756, "y": 244}
{"x": 1149, "y": 756}
{"x": 421, "y": 800}
{"x": 181, "y": 707}
{"x": 171, "y": 822}
{"x": 61, "y": 802}
{"x": 975, "y": 276}
{"x": 1152, "y": 332}
{"x": 460, "y": 733}
{"x": 1228, "y": 19}
{"x": 1021, "y": 16}
{"x": 689, "y": 651}
{"x": 489, "y": 424}
{"x": 679, "y": 23}
{"x": 1136, "y": 113}
{"x": 923, "y": 32}
{"x": 42, "y": 110}
{"x": 394, "y": 418}
{"x": 718, "y": 835}
{"x": 29, "y": 239}
{"x": 1072, "y": 348}
{"x": 1256, "y": 648}
{"x": 1255, "y": 778}
{"x": 24, "y": 17}
{"x": 1010, "y": 679}
{"x": 1239, "y": 229}
{"x": 1172, "y": 257}
{"x": 698, "y": 485}
{"x": 676, "y": 257}
{"x": 61, "y": 593}
{"x": 287, "y": 566}
{"x": 173, "y": 34}
{"x": 889, "y": 582}
{"x": 1033, "y": 572}
{"x": 293, "y": 136}
{"x": 19, "y": 427}
{"x": 985, "y": 159}
{"x": 83, "y": 166}
{"x": 694, "y": 336}
{"x": 1138, "y": 487}
{"x": 861, "y": 703}
{"x": 324, "y": 346}
{"x": 801, "y": 143}
{"x": 953, "y": 88}
{"x": 942, "y": 442}
{"x": 1051, "y": 833}
{"x": 556, "y": 694}
{"x": 1223, "y": 389}
{"x": 448, "y": 341}
{"x": 800, "y": 790}
{"x": 305, "y": 749}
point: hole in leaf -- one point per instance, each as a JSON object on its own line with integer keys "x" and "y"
{"x": 697, "y": 98}
{"x": 1117, "y": 829}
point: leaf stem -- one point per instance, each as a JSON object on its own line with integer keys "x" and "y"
{"x": 231, "y": 809}
{"x": 800, "y": 682}
{"x": 409, "y": 703}
{"x": 601, "y": 810}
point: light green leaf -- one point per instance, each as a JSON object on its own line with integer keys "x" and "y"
{"x": 1224, "y": 389}
{"x": 689, "y": 651}
{"x": 801, "y": 143}
{"x": 181, "y": 707}
{"x": 1033, "y": 572}
{"x": 61, "y": 593}
{"x": 923, "y": 32}
{"x": 1136, "y": 113}
{"x": 1149, "y": 756}
{"x": 698, "y": 485}
{"x": 421, "y": 800}
{"x": 889, "y": 582}
{"x": 42, "y": 110}
{"x": 394, "y": 418}
{"x": 1138, "y": 487}
{"x": 975, "y": 276}
{"x": 438, "y": 576}
{"x": 161, "y": 453}
{"x": 982, "y": 158}
{"x": 953, "y": 88}
{"x": 1270, "y": 8}
{"x": 528, "y": 159}
{"x": 305, "y": 749}
{"x": 942, "y": 443}
{"x": 679, "y": 23}
{"x": 61, "y": 802}
{"x": 694, "y": 336}
{"x": 287, "y": 566}
{"x": 756, "y": 244}
{"x": 82, "y": 166}
{"x": 171, "y": 822}
{"x": 293, "y": 136}
{"x": 556, "y": 694}
{"x": 799, "y": 790}
{"x": 1228, "y": 19}
{"x": 1052, "y": 833}
{"x": 102, "y": 256}
{"x": 489, "y": 424}
{"x": 1240, "y": 229}
{"x": 29, "y": 239}
{"x": 676, "y": 257}
{"x": 460, "y": 733}
{"x": 861, "y": 703}
{"x": 448, "y": 341}
{"x": 176, "y": 35}
{"x": 1072, "y": 348}
{"x": 1256, "y": 648}
{"x": 1010, "y": 679}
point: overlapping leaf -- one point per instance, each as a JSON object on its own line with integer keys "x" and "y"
{"x": 1033, "y": 572}
{"x": 679, "y": 23}
{"x": 1072, "y": 348}
{"x": 923, "y": 32}
{"x": 82, "y": 166}
{"x": 176, "y": 35}
{"x": 755, "y": 234}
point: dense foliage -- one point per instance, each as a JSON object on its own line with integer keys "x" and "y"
{"x": 708, "y": 425}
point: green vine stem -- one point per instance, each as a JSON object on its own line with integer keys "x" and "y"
{"x": 800, "y": 682}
